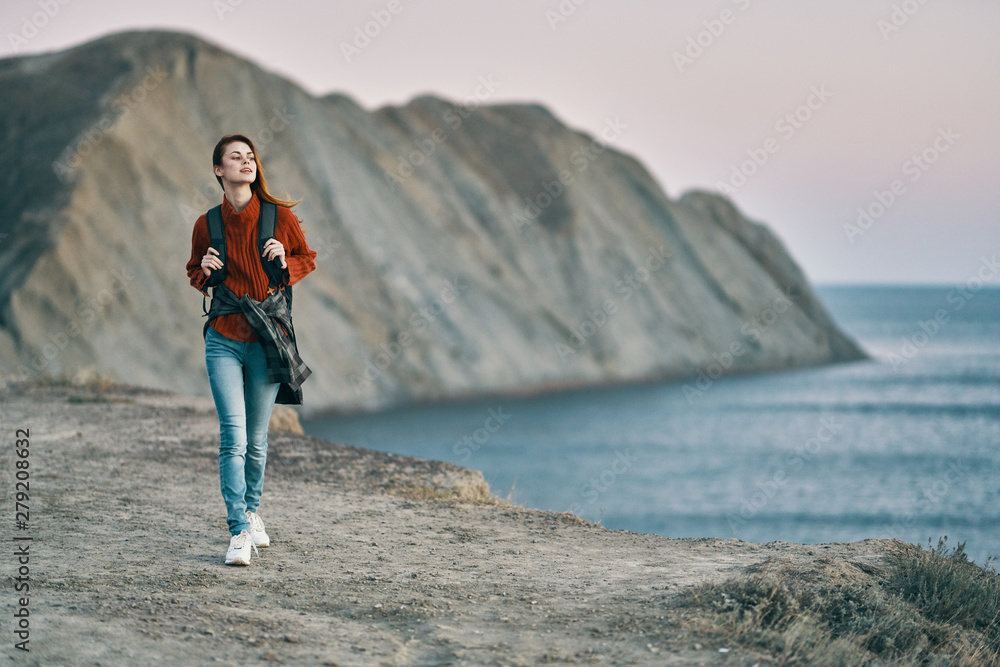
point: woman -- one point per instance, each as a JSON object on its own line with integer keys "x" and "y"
{"x": 237, "y": 359}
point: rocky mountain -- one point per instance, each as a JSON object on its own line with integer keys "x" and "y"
{"x": 463, "y": 248}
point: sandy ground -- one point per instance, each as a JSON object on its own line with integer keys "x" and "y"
{"x": 366, "y": 566}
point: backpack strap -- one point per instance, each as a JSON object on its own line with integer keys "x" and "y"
{"x": 217, "y": 240}
{"x": 265, "y": 231}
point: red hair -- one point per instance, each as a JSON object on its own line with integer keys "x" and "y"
{"x": 259, "y": 185}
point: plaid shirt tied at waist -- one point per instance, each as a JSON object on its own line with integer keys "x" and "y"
{"x": 272, "y": 323}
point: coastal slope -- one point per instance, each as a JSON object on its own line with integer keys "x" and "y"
{"x": 465, "y": 247}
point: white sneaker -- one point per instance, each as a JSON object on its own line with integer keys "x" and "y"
{"x": 239, "y": 549}
{"x": 257, "y": 532}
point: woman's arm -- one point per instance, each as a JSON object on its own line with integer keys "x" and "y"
{"x": 300, "y": 258}
{"x": 199, "y": 246}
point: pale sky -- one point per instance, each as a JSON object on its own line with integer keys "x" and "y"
{"x": 887, "y": 80}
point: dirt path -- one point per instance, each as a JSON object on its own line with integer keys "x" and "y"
{"x": 129, "y": 536}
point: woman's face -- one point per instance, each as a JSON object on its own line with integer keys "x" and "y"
{"x": 238, "y": 164}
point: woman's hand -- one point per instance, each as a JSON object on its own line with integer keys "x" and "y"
{"x": 210, "y": 262}
{"x": 272, "y": 249}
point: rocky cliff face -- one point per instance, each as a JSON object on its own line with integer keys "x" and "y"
{"x": 462, "y": 249}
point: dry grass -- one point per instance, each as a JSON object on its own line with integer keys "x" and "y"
{"x": 928, "y": 607}
{"x": 90, "y": 381}
{"x": 477, "y": 492}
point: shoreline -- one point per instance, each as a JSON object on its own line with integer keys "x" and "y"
{"x": 545, "y": 389}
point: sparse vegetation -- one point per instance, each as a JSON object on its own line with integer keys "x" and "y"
{"x": 470, "y": 492}
{"x": 87, "y": 399}
{"x": 89, "y": 380}
{"x": 928, "y": 607}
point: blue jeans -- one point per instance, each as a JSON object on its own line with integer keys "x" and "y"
{"x": 244, "y": 399}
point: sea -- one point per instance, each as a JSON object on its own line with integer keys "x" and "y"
{"x": 905, "y": 445}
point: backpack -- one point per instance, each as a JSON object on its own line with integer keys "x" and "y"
{"x": 265, "y": 231}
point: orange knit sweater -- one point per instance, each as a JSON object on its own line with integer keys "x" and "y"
{"x": 244, "y": 274}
